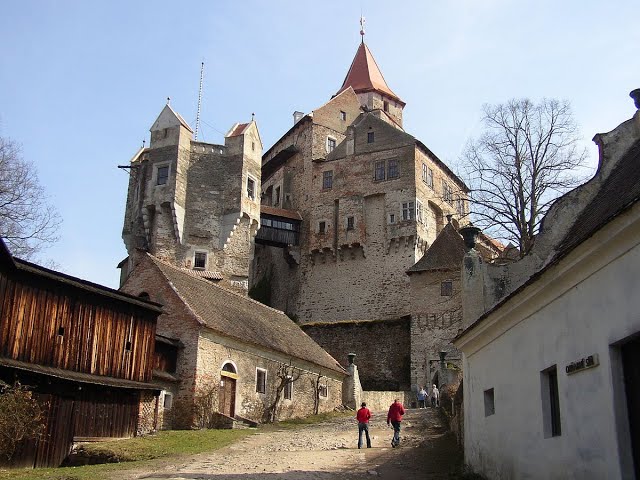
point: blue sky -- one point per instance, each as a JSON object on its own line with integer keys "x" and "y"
{"x": 81, "y": 82}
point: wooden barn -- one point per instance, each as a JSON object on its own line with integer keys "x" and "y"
{"x": 86, "y": 351}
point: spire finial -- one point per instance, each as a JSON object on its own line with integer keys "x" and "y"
{"x": 168, "y": 100}
{"x": 253, "y": 117}
{"x": 362, "y": 21}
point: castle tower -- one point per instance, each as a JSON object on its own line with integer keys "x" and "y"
{"x": 366, "y": 79}
{"x": 193, "y": 204}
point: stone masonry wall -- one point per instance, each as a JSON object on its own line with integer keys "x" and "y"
{"x": 381, "y": 347}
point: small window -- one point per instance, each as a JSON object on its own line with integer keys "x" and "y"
{"x": 408, "y": 210}
{"x": 331, "y": 144}
{"x": 446, "y": 192}
{"x": 162, "y": 175}
{"x": 261, "y": 380}
{"x": 253, "y": 146}
{"x": 322, "y": 227}
{"x": 392, "y": 218}
{"x": 323, "y": 391}
{"x": 378, "y": 173}
{"x": 288, "y": 389}
{"x": 446, "y": 288}
{"x": 489, "y": 404}
{"x": 425, "y": 170}
{"x": 392, "y": 169}
{"x": 430, "y": 177}
{"x": 168, "y": 401}
{"x": 251, "y": 188}
{"x": 350, "y": 223}
{"x": 386, "y": 106}
{"x": 61, "y": 331}
{"x": 327, "y": 179}
{"x": 370, "y": 137}
{"x": 200, "y": 260}
{"x": 460, "y": 207}
{"x": 277, "y": 199}
{"x": 127, "y": 346}
{"x": 419, "y": 212}
{"x": 550, "y": 402}
{"x": 343, "y": 115}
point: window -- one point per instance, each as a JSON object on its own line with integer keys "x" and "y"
{"x": 446, "y": 192}
{"x": 408, "y": 210}
{"x": 253, "y": 146}
{"x": 323, "y": 391}
{"x": 350, "y": 223}
{"x": 261, "y": 380}
{"x": 331, "y": 144}
{"x": 550, "y": 402}
{"x": 446, "y": 288}
{"x": 460, "y": 207}
{"x": 327, "y": 179}
{"x": 419, "y": 214}
{"x": 288, "y": 389}
{"x": 168, "y": 401}
{"x": 200, "y": 260}
{"x": 425, "y": 169}
{"x": 322, "y": 227}
{"x": 61, "y": 331}
{"x": 489, "y": 404}
{"x": 277, "y": 199}
{"x": 162, "y": 175}
{"x": 343, "y": 115}
{"x": 386, "y": 106}
{"x": 392, "y": 169}
{"x": 370, "y": 137}
{"x": 379, "y": 171}
{"x": 430, "y": 177}
{"x": 251, "y": 188}
{"x": 127, "y": 346}
{"x": 392, "y": 218}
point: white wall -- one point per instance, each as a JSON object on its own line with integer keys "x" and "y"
{"x": 580, "y": 307}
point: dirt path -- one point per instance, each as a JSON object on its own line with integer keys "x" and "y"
{"x": 327, "y": 451}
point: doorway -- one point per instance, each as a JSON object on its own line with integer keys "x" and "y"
{"x": 227, "y": 397}
{"x": 630, "y": 362}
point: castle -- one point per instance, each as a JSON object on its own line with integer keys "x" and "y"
{"x": 324, "y": 228}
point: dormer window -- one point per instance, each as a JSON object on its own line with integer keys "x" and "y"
{"x": 162, "y": 175}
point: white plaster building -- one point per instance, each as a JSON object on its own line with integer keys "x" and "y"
{"x": 552, "y": 342}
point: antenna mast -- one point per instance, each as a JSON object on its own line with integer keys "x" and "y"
{"x": 199, "y": 101}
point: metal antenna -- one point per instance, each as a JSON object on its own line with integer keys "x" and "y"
{"x": 199, "y": 101}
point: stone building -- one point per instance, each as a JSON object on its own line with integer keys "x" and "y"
{"x": 195, "y": 205}
{"x": 225, "y": 356}
{"x": 551, "y": 345}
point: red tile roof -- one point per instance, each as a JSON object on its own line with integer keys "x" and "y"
{"x": 238, "y": 130}
{"x": 365, "y": 76}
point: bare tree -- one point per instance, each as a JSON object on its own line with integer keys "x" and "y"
{"x": 28, "y": 223}
{"x": 285, "y": 374}
{"x": 527, "y": 156}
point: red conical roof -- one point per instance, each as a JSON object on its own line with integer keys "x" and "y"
{"x": 365, "y": 76}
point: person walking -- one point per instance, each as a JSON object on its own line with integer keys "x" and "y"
{"x": 394, "y": 417}
{"x": 435, "y": 396}
{"x": 422, "y": 395}
{"x": 363, "y": 415}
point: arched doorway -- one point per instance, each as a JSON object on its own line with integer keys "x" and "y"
{"x": 227, "y": 398}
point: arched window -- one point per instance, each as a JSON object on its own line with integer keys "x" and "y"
{"x": 228, "y": 367}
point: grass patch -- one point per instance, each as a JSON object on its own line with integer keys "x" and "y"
{"x": 134, "y": 451}
{"x": 321, "y": 417}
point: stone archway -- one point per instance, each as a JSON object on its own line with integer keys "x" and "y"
{"x": 227, "y": 397}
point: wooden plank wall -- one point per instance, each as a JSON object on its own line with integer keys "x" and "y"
{"x": 95, "y": 331}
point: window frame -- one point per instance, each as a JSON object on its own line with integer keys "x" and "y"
{"x": 327, "y": 179}
{"x": 251, "y": 192}
{"x": 323, "y": 390}
{"x": 430, "y": 177}
{"x": 167, "y": 399}
{"x": 419, "y": 212}
{"x": 446, "y": 288}
{"x": 262, "y": 385}
{"x": 371, "y": 137}
{"x": 351, "y": 222}
{"x": 392, "y": 218}
{"x": 552, "y": 421}
{"x": 408, "y": 211}
{"x": 195, "y": 260}
{"x": 489, "y": 402}
{"x": 379, "y": 171}
{"x": 343, "y": 115}
{"x": 447, "y": 192}
{"x": 331, "y": 144}
{"x": 288, "y": 388}
{"x": 322, "y": 227}
{"x": 393, "y": 169}
{"x": 165, "y": 178}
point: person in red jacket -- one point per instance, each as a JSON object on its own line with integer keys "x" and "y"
{"x": 363, "y": 415}
{"x": 396, "y": 411}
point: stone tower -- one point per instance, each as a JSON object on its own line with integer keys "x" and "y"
{"x": 193, "y": 204}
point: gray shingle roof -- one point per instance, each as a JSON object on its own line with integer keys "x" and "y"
{"x": 234, "y": 315}
{"x": 445, "y": 253}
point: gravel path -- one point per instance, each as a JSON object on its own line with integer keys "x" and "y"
{"x": 326, "y": 451}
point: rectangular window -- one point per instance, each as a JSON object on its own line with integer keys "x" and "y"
{"x": 331, "y": 144}
{"x": 392, "y": 218}
{"x": 322, "y": 227}
{"x": 288, "y": 389}
{"x": 277, "y": 200}
{"x": 327, "y": 179}
{"x": 251, "y": 188}
{"x": 261, "y": 380}
{"x": 419, "y": 213}
{"x": 550, "y": 402}
{"x": 323, "y": 391}
{"x": 446, "y": 192}
{"x": 392, "y": 169}
{"x": 460, "y": 207}
{"x": 489, "y": 404}
{"x": 200, "y": 260}
{"x": 430, "y": 177}
{"x": 343, "y": 115}
{"x": 350, "y": 223}
{"x": 408, "y": 210}
{"x": 386, "y": 106}
{"x": 379, "y": 171}
{"x": 424, "y": 173}
{"x": 446, "y": 288}
{"x": 168, "y": 401}
{"x": 162, "y": 175}
{"x": 370, "y": 137}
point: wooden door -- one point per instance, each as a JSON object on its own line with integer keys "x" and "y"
{"x": 630, "y": 361}
{"x": 227, "y": 403}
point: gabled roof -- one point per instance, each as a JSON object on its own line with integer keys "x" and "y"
{"x": 445, "y": 253}
{"x": 169, "y": 117}
{"x": 237, "y": 130}
{"x": 244, "y": 319}
{"x": 365, "y": 76}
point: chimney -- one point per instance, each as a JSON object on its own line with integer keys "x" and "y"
{"x": 297, "y": 116}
